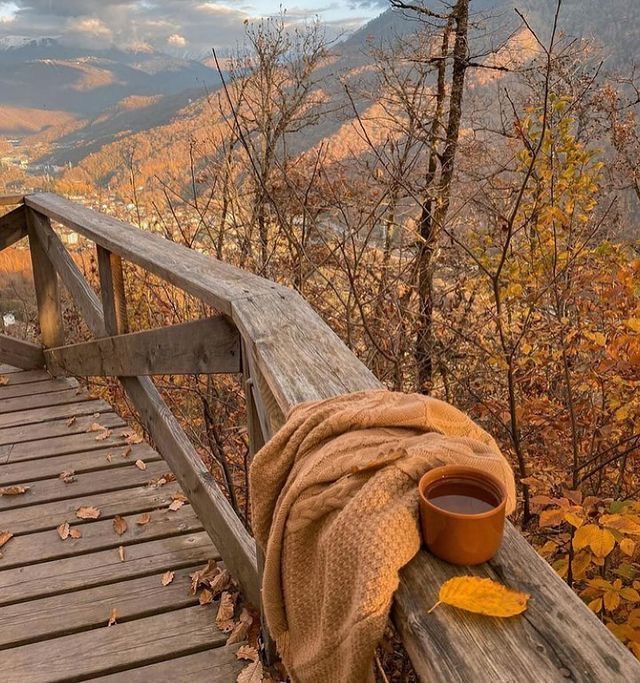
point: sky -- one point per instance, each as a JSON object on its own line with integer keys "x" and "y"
{"x": 185, "y": 27}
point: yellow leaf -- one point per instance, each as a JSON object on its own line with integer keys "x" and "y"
{"x": 482, "y": 596}
{"x": 574, "y": 519}
{"x": 627, "y": 546}
{"x": 595, "y": 605}
{"x": 601, "y": 541}
{"x": 551, "y": 517}
{"x": 580, "y": 564}
{"x": 626, "y": 524}
{"x": 633, "y": 324}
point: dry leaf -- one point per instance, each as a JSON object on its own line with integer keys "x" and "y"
{"x": 68, "y": 476}
{"x": 627, "y": 546}
{"x": 131, "y": 437}
{"x": 75, "y": 533}
{"x": 104, "y": 435}
{"x": 253, "y": 673}
{"x": 113, "y": 616}
{"x": 204, "y": 575}
{"x": 205, "y": 597}
{"x": 247, "y": 652}
{"x": 241, "y": 629}
{"x": 3, "y": 380}
{"x": 5, "y": 537}
{"x": 87, "y": 512}
{"x": 109, "y": 457}
{"x": 119, "y": 525}
{"x": 71, "y": 421}
{"x": 127, "y": 452}
{"x": 167, "y": 578}
{"x": 96, "y": 427}
{"x": 13, "y": 490}
{"x": 144, "y": 518}
{"x": 140, "y": 465}
{"x": 482, "y": 596}
{"x": 224, "y": 618}
{"x": 176, "y": 505}
{"x": 551, "y": 517}
{"x": 220, "y": 582}
{"x": 63, "y": 531}
{"x": 121, "y": 553}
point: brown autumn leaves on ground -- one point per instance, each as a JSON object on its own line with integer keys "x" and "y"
{"x": 211, "y": 584}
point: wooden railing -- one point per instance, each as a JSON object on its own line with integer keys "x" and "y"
{"x": 286, "y": 355}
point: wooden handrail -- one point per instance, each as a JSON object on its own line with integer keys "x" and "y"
{"x": 289, "y": 356}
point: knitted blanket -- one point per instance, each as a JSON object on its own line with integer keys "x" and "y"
{"x": 335, "y": 508}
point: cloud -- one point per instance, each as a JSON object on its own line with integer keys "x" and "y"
{"x": 177, "y": 40}
{"x": 165, "y": 25}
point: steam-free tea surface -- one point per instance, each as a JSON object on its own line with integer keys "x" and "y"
{"x": 462, "y": 498}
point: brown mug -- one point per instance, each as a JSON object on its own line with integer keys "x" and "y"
{"x": 462, "y": 513}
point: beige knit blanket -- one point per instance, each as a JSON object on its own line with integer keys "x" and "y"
{"x": 335, "y": 508}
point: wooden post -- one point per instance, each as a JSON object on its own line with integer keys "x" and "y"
{"x": 112, "y": 292}
{"x": 256, "y": 442}
{"x": 45, "y": 279}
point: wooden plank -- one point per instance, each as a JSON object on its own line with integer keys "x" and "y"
{"x": 11, "y": 199}
{"x": 46, "y": 283}
{"x": 198, "y": 484}
{"x": 204, "y": 346}
{"x": 59, "y": 615}
{"x": 83, "y": 296}
{"x": 97, "y": 569}
{"x": 44, "y": 546}
{"x": 59, "y": 398}
{"x": 123, "y": 502}
{"x": 87, "y": 461}
{"x": 55, "y": 489}
{"x": 5, "y": 368}
{"x": 12, "y": 377}
{"x": 18, "y": 438}
{"x": 106, "y": 650}
{"x": 212, "y": 666}
{"x": 213, "y": 281}
{"x": 13, "y": 227}
{"x": 21, "y": 353}
{"x": 47, "y": 386}
{"x": 556, "y": 639}
{"x": 31, "y": 417}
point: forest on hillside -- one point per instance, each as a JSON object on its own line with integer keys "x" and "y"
{"x": 466, "y": 221}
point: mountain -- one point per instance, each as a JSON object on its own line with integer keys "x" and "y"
{"x": 45, "y": 74}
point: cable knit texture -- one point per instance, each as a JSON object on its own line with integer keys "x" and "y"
{"x": 335, "y": 508}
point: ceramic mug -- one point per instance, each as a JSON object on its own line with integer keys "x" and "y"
{"x": 462, "y": 513}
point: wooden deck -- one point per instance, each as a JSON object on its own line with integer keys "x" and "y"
{"x": 56, "y": 596}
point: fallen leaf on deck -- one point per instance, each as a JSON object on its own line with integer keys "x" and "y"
{"x": 144, "y": 518}
{"x": 140, "y": 465}
{"x": 203, "y": 576}
{"x": 241, "y": 629}
{"x": 71, "y": 421}
{"x": 112, "y": 617}
{"x": 252, "y": 673}
{"x": 220, "y": 582}
{"x": 63, "y": 531}
{"x": 127, "y": 452}
{"x": 5, "y": 537}
{"x": 167, "y": 578}
{"x": 176, "y": 505}
{"x": 75, "y": 533}
{"x": 131, "y": 438}
{"x": 109, "y": 457}
{"x": 13, "y": 490}
{"x": 482, "y": 596}
{"x": 87, "y": 512}
{"x": 68, "y": 476}
{"x": 224, "y": 618}
{"x": 103, "y": 435}
{"x": 205, "y": 597}
{"x": 3, "y": 381}
{"x": 95, "y": 427}
{"x": 121, "y": 553}
{"x": 119, "y": 525}
{"x": 247, "y": 652}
